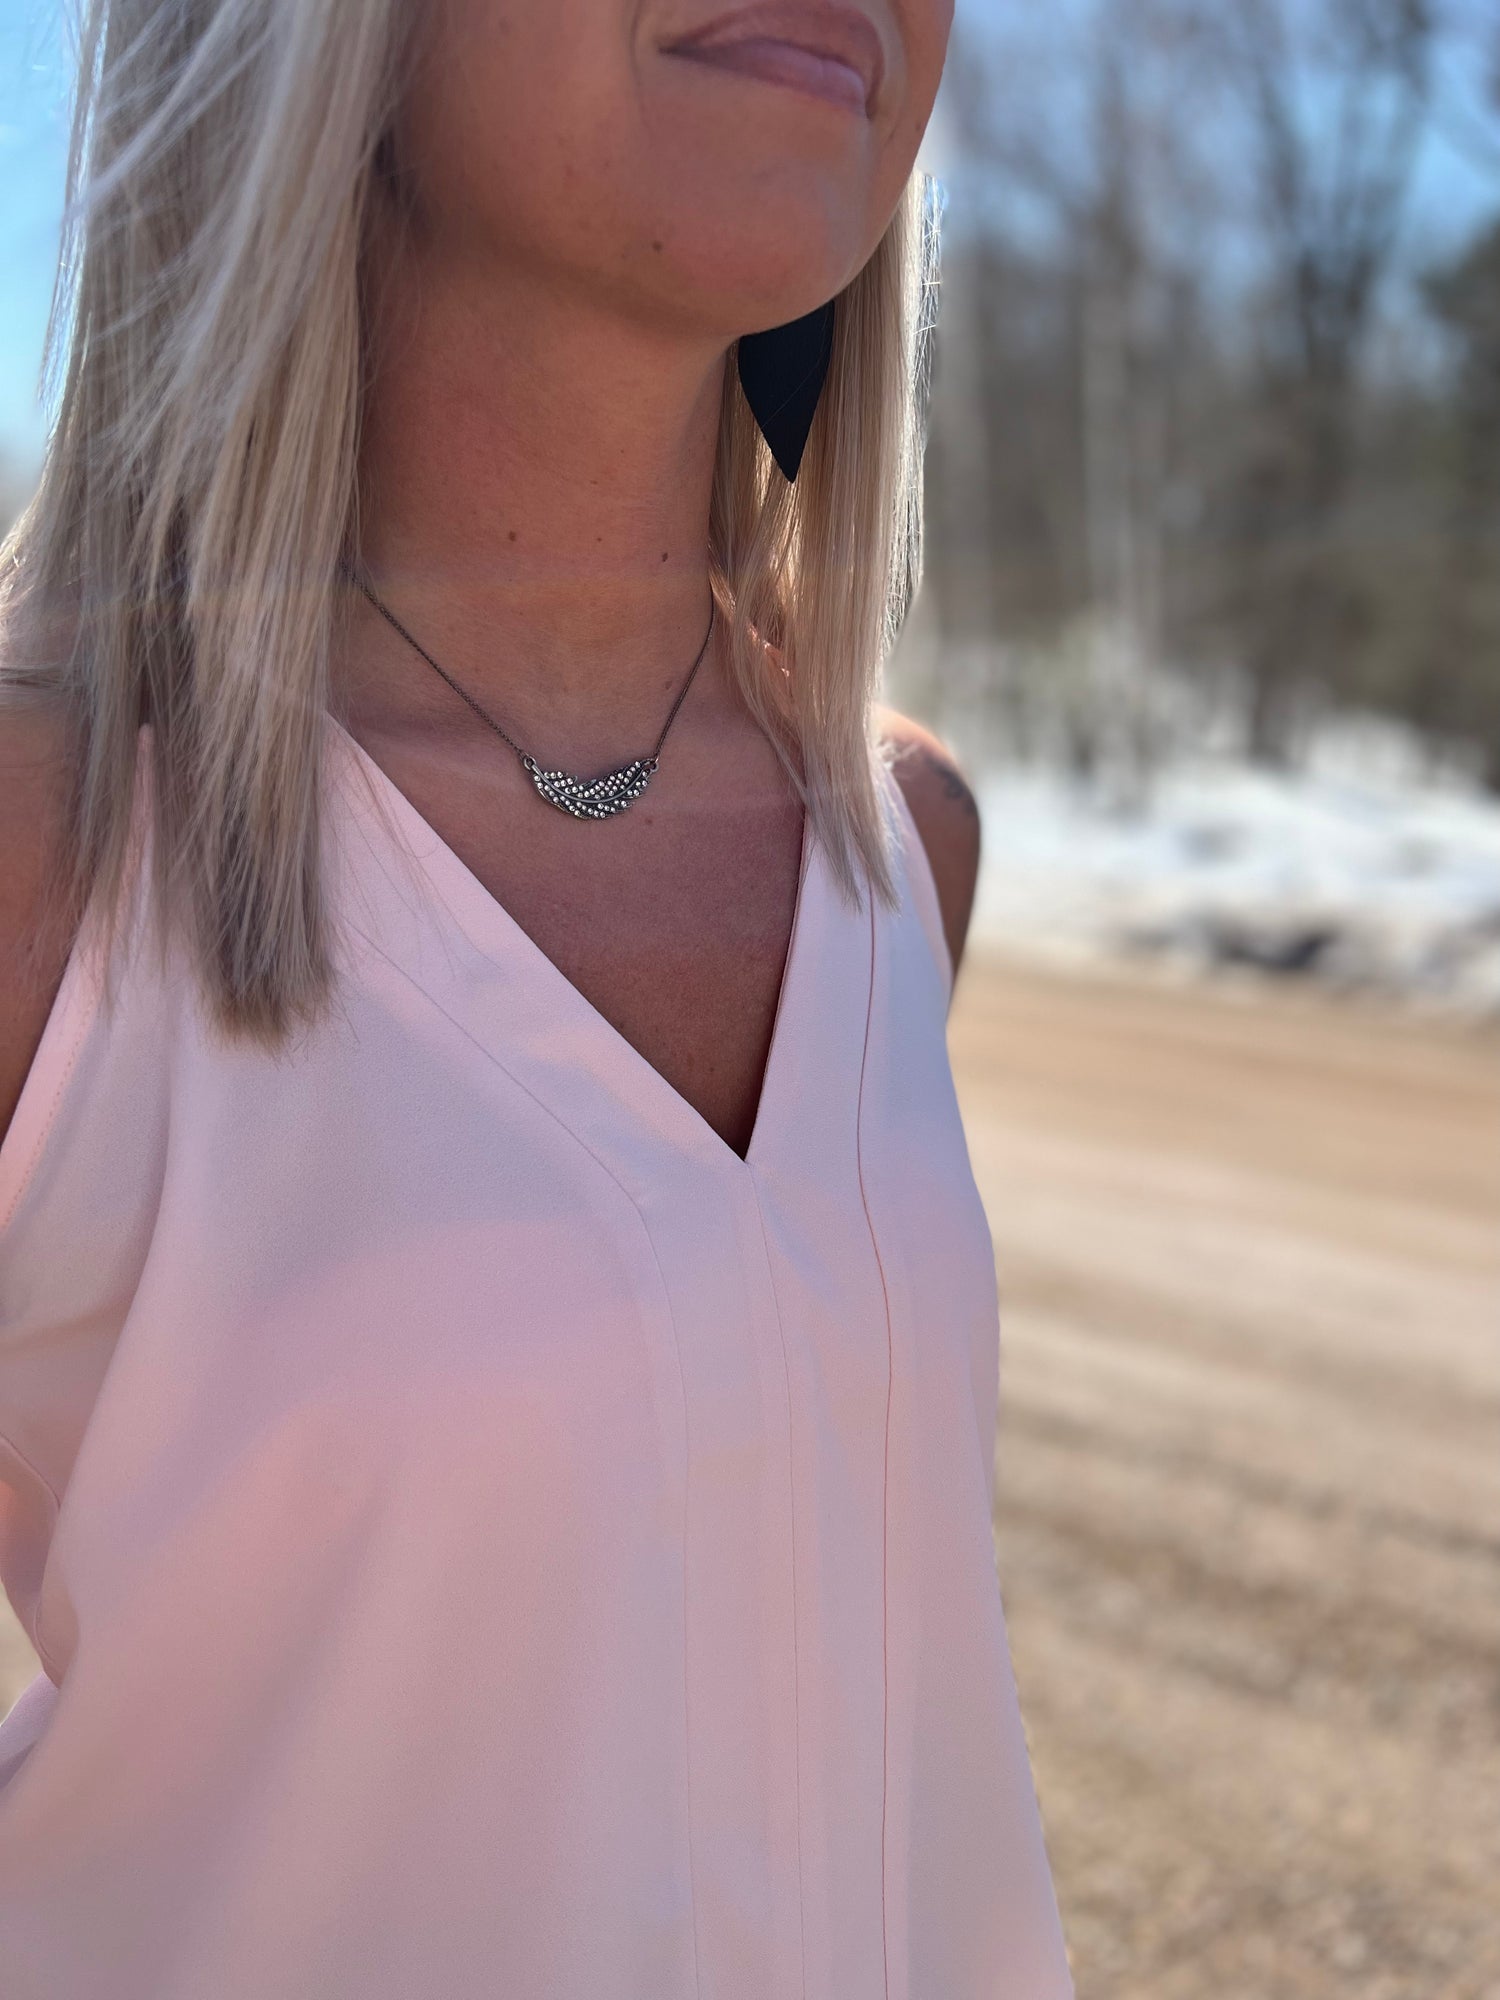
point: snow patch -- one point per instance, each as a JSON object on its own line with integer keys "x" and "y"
{"x": 1359, "y": 871}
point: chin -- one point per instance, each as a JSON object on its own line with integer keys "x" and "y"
{"x": 754, "y": 233}
{"x": 743, "y": 278}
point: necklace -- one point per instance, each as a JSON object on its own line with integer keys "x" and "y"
{"x": 584, "y": 798}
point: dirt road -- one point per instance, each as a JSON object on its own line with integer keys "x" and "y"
{"x": 1249, "y": 1479}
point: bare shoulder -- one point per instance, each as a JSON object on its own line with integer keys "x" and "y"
{"x": 34, "y": 782}
{"x": 946, "y": 813}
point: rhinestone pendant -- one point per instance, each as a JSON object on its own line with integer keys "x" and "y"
{"x": 592, "y": 798}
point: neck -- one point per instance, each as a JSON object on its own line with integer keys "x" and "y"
{"x": 535, "y": 477}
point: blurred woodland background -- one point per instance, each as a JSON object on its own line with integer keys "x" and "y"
{"x": 1214, "y": 427}
{"x": 1214, "y": 480}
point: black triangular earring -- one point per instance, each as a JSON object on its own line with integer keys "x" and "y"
{"x": 782, "y": 372}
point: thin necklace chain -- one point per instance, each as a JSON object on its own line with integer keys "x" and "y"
{"x": 527, "y": 759}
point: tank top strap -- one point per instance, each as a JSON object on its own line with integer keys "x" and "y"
{"x": 920, "y": 887}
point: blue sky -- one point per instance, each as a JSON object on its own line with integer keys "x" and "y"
{"x": 1452, "y": 195}
{"x": 33, "y": 158}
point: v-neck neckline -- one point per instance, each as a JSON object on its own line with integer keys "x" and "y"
{"x": 496, "y": 932}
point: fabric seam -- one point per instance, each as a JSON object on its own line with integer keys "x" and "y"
{"x": 42, "y": 1650}
{"x": 614, "y": 1179}
{"x": 792, "y": 1509}
{"x": 74, "y": 1009}
{"x": 942, "y": 956}
{"x": 859, "y": 1161}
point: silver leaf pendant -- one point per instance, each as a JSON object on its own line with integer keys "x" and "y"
{"x": 592, "y": 798}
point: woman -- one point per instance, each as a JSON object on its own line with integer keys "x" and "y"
{"x": 497, "y": 1326}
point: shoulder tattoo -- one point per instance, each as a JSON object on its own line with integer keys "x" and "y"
{"x": 952, "y": 781}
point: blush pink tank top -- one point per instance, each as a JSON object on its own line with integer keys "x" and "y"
{"x": 483, "y": 1536}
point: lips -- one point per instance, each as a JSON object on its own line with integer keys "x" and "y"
{"x": 831, "y": 52}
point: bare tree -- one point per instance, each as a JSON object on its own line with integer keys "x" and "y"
{"x": 1075, "y": 334}
{"x": 1193, "y": 441}
{"x": 1334, "y": 96}
{"x": 1457, "y": 684}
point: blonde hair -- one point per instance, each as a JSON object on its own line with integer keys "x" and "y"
{"x": 205, "y": 356}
